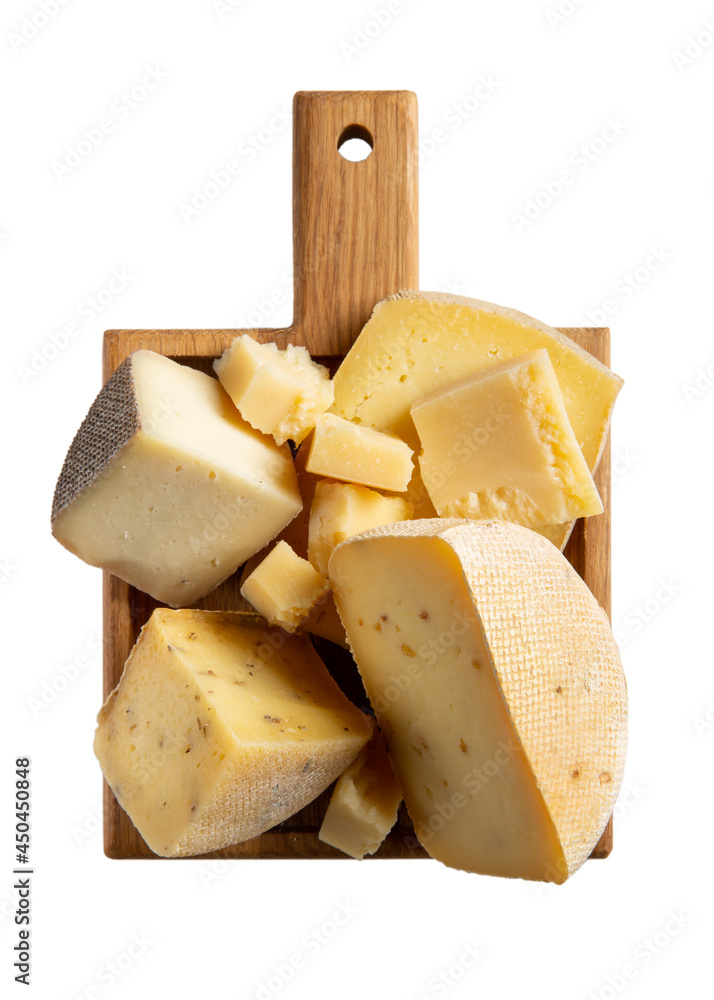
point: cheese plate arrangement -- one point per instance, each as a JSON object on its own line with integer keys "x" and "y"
{"x": 356, "y": 570}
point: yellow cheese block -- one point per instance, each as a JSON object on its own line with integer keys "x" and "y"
{"x": 343, "y": 450}
{"x": 283, "y": 587}
{"x": 364, "y": 804}
{"x": 325, "y": 622}
{"x": 499, "y": 445}
{"x": 166, "y": 486}
{"x": 498, "y": 687}
{"x": 417, "y": 341}
{"x": 340, "y": 510}
{"x": 281, "y": 393}
{"x": 220, "y": 728}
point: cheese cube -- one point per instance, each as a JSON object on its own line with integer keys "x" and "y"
{"x": 284, "y": 587}
{"x": 340, "y": 510}
{"x": 220, "y": 728}
{"x": 498, "y": 687}
{"x": 416, "y": 342}
{"x": 357, "y": 454}
{"x": 499, "y": 445}
{"x": 278, "y": 392}
{"x": 364, "y": 804}
{"x": 166, "y": 486}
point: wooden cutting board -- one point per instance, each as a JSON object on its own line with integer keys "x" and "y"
{"x": 355, "y": 240}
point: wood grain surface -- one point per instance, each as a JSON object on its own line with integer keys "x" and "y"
{"x": 355, "y": 232}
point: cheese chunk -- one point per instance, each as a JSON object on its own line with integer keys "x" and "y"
{"x": 166, "y": 486}
{"x": 340, "y": 510}
{"x": 283, "y": 588}
{"x": 365, "y": 802}
{"x": 220, "y": 728}
{"x": 498, "y": 688}
{"x": 343, "y": 450}
{"x": 325, "y": 622}
{"x": 416, "y": 342}
{"x": 281, "y": 393}
{"x": 499, "y": 445}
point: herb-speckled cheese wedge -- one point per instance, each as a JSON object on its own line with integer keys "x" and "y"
{"x": 497, "y": 685}
{"x": 220, "y": 728}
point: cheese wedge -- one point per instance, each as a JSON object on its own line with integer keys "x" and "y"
{"x": 325, "y": 622}
{"x": 340, "y": 510}
{"x": 343, "y": 450}
{"x": 499, "y": 445}
{"x": 281, "y": 393}
{"x": 417, "y": 341}
{"x": 166, "y": 486}
{"x": 364, "y": 804}
{"x": 220, "y": 728}
{"x": 497, "y": 685}
{"x": 284, "y": 588}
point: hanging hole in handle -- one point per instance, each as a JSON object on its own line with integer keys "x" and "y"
{"x": 355, "y": 143}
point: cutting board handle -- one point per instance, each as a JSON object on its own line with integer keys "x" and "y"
{"x": 355, "y": 224}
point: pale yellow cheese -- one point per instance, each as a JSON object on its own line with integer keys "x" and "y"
{"x": 417, "y": 341}
{"x": 364, "y": 804}
{"x": 284, "y": 587}
{"x": 344, "y": 450}
{"x": 166, "y": 486}
{"x": 499, "y": 445}
{"x": 220, "y": 728}
{"x": 325, "y": 622}
{"x": 340, "y": 510}
{"x": 497, "y": 684}
{"x": 281, "y": 393}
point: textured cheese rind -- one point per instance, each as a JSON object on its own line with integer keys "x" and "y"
{"x": 166, "y": 486}
{"x": 556, "y": 662}
{"x": 391, "y": 365}
{"x": 364, "y": 804}
{"x": 191, "y": 741}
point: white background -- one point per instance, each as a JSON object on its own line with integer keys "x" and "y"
{"x": 643, "y": 202}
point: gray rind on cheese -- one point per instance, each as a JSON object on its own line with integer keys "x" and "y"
{"x": 112, "y": 421}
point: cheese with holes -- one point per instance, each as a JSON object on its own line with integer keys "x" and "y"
{"x": 340, "y": 510}
{"x": 364, "y": 804}
{"x": 220, "y": 728}
{"x": 497, "y": 685}
{"x": 416, "y": 342}
{"x": 499, "y": 445}
{"x": 343, "y": 450}
{"x": 166, "y": 486}
{"x": 284, "y": 587}
{"x": 281, "y": 393}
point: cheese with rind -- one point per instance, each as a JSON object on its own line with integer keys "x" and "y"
{"x": 497, "y": 685}
{"x": 166, "y": 486}
{"x": 220, "y": 728}
{"x": 417, "y": 341}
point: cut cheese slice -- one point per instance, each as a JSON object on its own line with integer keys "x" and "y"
{"x": 166, "y": 486}
{"x": 220, "y": 728}
{"x": 499, "y": 445}
{"x": 497, "y": 685}
{"x": 284, "y": 587}
{"x": 343, "y": 450}
{"x": 364, "y": 804}
{"x": 340, "y": 510}
{"x": 417, "y": 341}
{"x": 281, "y": 393}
